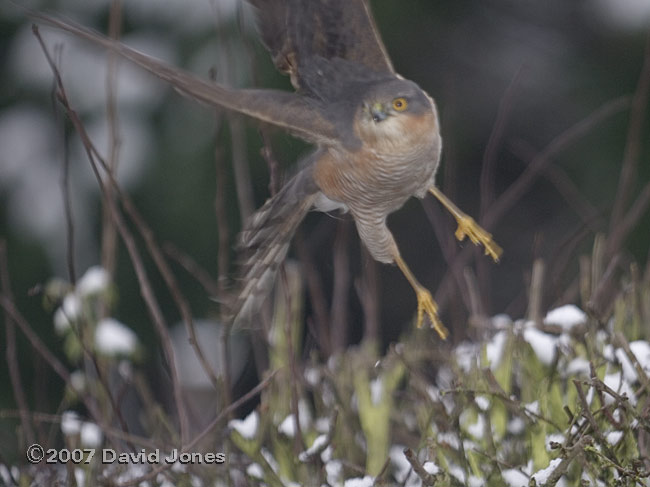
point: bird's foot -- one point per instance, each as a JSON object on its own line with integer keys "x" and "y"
{"x": 467, "y": 227}
{"x": 427, "y": 305}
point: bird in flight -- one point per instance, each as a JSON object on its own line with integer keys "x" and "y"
{"x": 376, "y": 135}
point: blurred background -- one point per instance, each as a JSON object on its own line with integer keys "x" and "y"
{"x": 532, "y": 96}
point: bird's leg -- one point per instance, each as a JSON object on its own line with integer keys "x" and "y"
{"x": 426, "y": 304}
{"x": 467, "y": 227}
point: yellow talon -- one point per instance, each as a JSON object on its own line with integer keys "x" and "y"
{"x": 467, "y": 227}
{"x": 428, "y": 305}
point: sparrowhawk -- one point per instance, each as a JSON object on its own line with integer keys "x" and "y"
{"x": 376, "y": 135}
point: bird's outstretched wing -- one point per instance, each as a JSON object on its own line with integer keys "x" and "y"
{"x": 297, "y": 31}
{"x": 299, "y": 115}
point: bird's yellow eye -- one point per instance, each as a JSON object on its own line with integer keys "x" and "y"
{"x": 400, "y": 104}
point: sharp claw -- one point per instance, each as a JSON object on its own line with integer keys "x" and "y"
{"x": 467, "y": 227}
{"x": 428, "y": 305}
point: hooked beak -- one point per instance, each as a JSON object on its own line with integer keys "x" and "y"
{"x": 378, "y": 112}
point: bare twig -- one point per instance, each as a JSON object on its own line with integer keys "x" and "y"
{"x": 590, "y": 216}
{"x": 426, "y": 477}
{"x": 208, "y": 429}
{"x": 33, "y": 338}
{"x": 221, "y": 215}
{"x": 109, "y": 234}
{"x": 478, "y": 317}
{"x": 595, "y": 429}
{"x": 601, "y": 301}
{"x": 316, "y": 293}
{"x": 145, "y": 286}
{"x": 536, "y": 293}
{"x": 240, "y": 168}
{"x": 341, "y": 287}
{"x": 621, "y": 229}
{"x": 536, "y": 167}
{"x": 367, "y": 288}
{"x": 633, "y": 145}
{"x": 203, "y": 277}
{"x": 12, "y": 357}
{"x": 489, "y": 156}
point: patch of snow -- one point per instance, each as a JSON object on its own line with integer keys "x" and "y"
{"x": 516, "y": 426}
{"x": 543, "y": 344}
{"x": 94, "y": 281}
{"x": 318, "y": 444}
{"x": 70, "y": 423}
{"x": 553, "y": 438}
{"x": 450, "y": 438}
{"x": 115, "y": 338}
{"x": 255, "y": 470}
{"x": 566, "y": 316}
{"x": 80, "y": 476}
{"x": 312, "y": 376}
{"x": 91, "y": 435}
{"x": 399, "y": 462}
{"x": 482, "y": 402}
{"x": 246, "y": 427}
{"x": 366, "y": 481}
{"x": 467, "y": 356}
{"x": 288, "y": 426}
{"x": 494, "y": 349}
{"x": 322, "y": 425}
{"x": 334, "y": 472}
{"x": 532, "y": 408}
{"x": 641, "y": 350}
{"x": 477, "y": 429}
{"x": 613, "y": 437}
{"x": 542, "y": 476}
{"x": 268, "y": 456}
{"x": 327, "y": 454}
{"x": 578, "y": 366}
{"x": 431, "y": 468}
{"x": 474, "y": 481}
{"x": 457, "y": 472}
{"x": 622, "y": 387}
{"x": 376, "y": 390}
{"x": 514, "y": 478}
{"x": 69, "y": 312}
{"x": 501, "y": 321}
{"x": 609, "y": 353}
{"x": 5, "y": 475}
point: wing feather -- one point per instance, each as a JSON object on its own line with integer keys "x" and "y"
{"x": 297, "y": 31}
{"x": 297, "y": 114}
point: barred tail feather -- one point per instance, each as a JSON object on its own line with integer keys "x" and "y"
{"x": 265, "y": 242}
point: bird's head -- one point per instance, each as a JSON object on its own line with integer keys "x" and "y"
{"x": 395, "y": 112}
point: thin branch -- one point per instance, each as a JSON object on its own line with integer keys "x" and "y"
{"x": 109, "y": 234}
{"x": 339, "y": 309}
{"x": 203, "y": 277}
{"x": 33, "y": 338}
{"x": 536, "y": 167}
{"x": 221, "y": 216}
{"x": 11, "y": 348}
{"x": 208, "y": 429}
{"x": 368, "y": 289}
{"x": 638, "y": 113}
{"x": 145, "y": 287}
{"x": 623, "y": 227}
{"x": 498, "y": 129}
